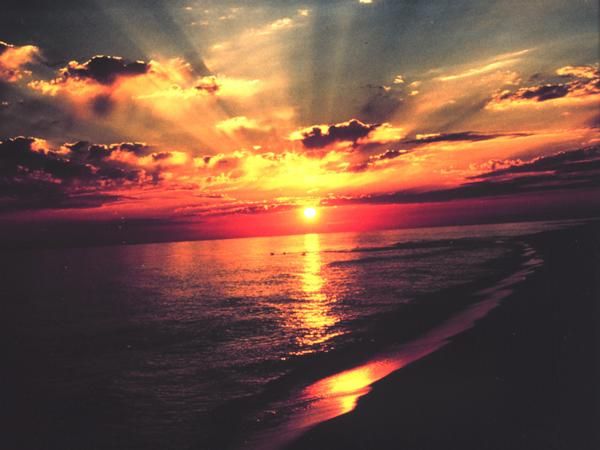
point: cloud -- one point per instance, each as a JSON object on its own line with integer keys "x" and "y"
{"x": 83, "y": 150}
{"x": 234, "y": 207}
{"x": 391, "y": 154}
{"x": 590, "y": 72}
{"x": 478, "y": 71}
{"x": 497, "y": 63}
{"x": 98, "y": 77}
{"x": 535, "y": 93}
{"x": 161, "y": 156}
{"x": 96, "y": 80}
{"x": 376, "y": 161}
{"x": 374, "y": 145}
{"x": 399, "y": 79}
{"x": 471, "y": 136}
{"x": 73, "y": 175}
{"x": 227, "y": 86}
{"x": 279, "y": 24}
{"x": 583, "y": 83}
{"x": 573, "y": 169}
{"x": 13, "y": 58}
{"x": 104, "y": 80}
{"x": 27, "y": 156}
{"x": 104, "y": 69}
{"x": 240, "y": 123}
{"x": 282, "y": 24}
{"x": 36, "y": 194}
{"x": 580, "y": 160}
{"x": 208, "y": 84}
{"x": 322, "y": 135}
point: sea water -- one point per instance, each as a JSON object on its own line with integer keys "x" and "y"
{"x": 140, "y": 346}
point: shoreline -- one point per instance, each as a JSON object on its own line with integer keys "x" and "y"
{"x": 339, "y": 393}
{"x": 523, "y": 378}
{"x": 251, "y": 417}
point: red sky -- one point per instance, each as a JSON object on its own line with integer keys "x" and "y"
{"x": 228, "y": 119}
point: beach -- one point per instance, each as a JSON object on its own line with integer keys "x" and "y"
{"x": 524, "y": 377}
{"x": 299, "y": 225}
{"x": 458, "y": 337}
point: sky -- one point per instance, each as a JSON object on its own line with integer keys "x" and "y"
{"x": 156, "y": 120}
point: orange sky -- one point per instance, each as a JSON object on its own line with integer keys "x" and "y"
{"x": 264, "y": 123}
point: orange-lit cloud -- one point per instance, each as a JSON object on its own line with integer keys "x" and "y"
{"x": 232, "y": 142}
{"x": 14, "y": 58}
{"x": 583, "y": 86}
{"x": 499, "y": 62}
{"x": 240, "y": 123}
{"x": 353, "y": 131}
{"x": 590, "y": 72}
{"x": 172, "y": 78}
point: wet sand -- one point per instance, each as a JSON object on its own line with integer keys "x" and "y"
{"x": 523, "y": 378}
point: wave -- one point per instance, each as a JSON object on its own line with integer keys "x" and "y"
{"x": 463, "y": 243}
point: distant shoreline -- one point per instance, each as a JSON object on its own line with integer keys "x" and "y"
{"x": 90, "y": 235}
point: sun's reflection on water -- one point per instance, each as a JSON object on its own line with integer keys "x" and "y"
{"x": 312, "y": 279}
{"x": 312, "y": 314}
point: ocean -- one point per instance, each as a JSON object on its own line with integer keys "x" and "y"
{"x": 165, "y": 346}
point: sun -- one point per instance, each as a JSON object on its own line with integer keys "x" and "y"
{"x": 310, "y": 213}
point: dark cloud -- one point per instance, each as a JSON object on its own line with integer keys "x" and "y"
{"x": 391, "y": 154}
{"x": 19, "y": 158}
{"x": 208, "y": 84}
{"x": 371, "y": 161}
{"x": 37, "y": 194}
{"x": 161, "y": 156}
{"x": 76, "y": 175}
{"x": 373, "y": 153}
{"x": 137, "y": 148}
{"x": 538, "y": 93}
{"x": 398, "y": 148}
{"x": 345, "y": 132}
{"x": 378, "y": 151}
{"x": 582, "y": 81}
{"x": 545, "y": 92}
{"x": 575, "y": 169}
{"x": 104, "y": 69}
{"x": 459, "y": 136}
{"x": 581, "y": 160}
{"x": 84, "y": 150}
